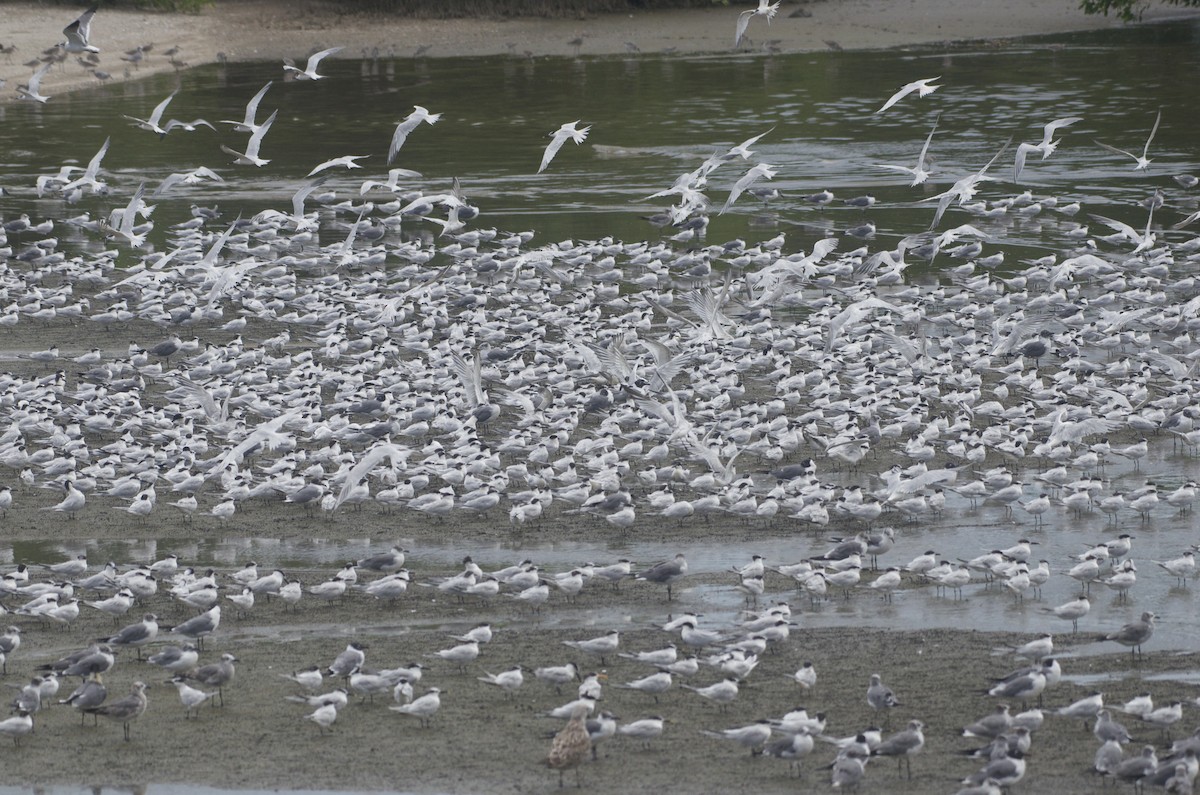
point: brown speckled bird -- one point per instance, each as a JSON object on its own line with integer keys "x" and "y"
{"x": 571, "y": 745}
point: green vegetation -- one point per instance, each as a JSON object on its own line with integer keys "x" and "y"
{"x": 1128, "y": 10}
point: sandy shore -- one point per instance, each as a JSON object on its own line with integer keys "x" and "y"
{"x": 253, "y": 30}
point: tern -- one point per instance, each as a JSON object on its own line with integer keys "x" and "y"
{"x": 250, "y": 157}
{"x": 410, "y": 123}
{"x": 560, "y": 137}
{"x": 310, "y": 70}
{"x": 1141, "y": 162}
{"x": 923, "y": 88}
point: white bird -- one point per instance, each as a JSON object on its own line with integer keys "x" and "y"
{"x": 310, "y": 70}
{"x": 765, "y": 9}
{"x": 1046, "y": 146}
{"x": 346, "y": 161}
{"x": 71, "y": 504}
{"x": 919, "y": 172}
{"x": 250, "y": 157}
{"x": 247, "y": 123}
{"x": 1142, "y": 162}
{"x": 759, "y": 171}
{"x": 153, "y": 124}
{"x": 559, "y": 137}
{"x": 191, "y": 697}
{"x": 32, "y": 90}
{"x": 79, "y": 31}
{"x": 410, "y": 123}
{"x": 922, "y": 87}
{"x": 423, "y": 708}
{"x": 509, "y": 681}
{"x": 323, "y": 716}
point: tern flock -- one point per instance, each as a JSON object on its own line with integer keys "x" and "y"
{"x": 490, "y": 377}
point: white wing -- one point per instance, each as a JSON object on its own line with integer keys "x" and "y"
{"x": 156, "y": 116}
{"x": 259, "y": 134}
{"x": 560, "y": 138}
{"x": 252, "y": 105}
{"x": 397, "y": 455}
{"x": 1153, "y": 130}
{"x": 35, "y": 82}
{"x": 316, "y": 58}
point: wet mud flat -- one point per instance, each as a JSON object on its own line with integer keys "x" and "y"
{"x": 483, "y": 740}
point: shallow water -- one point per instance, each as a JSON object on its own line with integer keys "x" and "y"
{"x": 654, "y": 118}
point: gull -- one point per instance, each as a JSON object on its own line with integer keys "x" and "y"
{"x": 571, "y": 745}
{"x": 754, "y": 736}
{"x": 423, "y": 708}
{"x": 247, "y": 123}
{"x": 136, "y": 635}
{"x": 175, "y": 659}
{"x": 310, "y": 70}
{"x": 665, "y": 572}
{"x": 216, "y": 674}
{"x": 1142, "y": 162}
{"x": 124, "y": 710}
{"x": 90, "y": 693}
{"x": 152, "y": 124}
{"x": 347, "y": 161}
{"x": 250, "y": 157}
{"x": 559, "y": 137}
{"x": 903, "y": 745}
{"x": 411, "y": 122}
{"x": 990, "y": 726}
{"x": 765, "y": 9}
{"x": 923, "y": 88}
{"x": 919, "y": 174}
{"x": 759, "y": 171}
{"x": 1108, "y": 729}
{"x": 1046, "y": 146}
{"x": 388, "y": 562}
{"x": 192, "y": 698}
{"x": 308, "y": 678}
{"x": 1133, "y": 634}
{"x": 77, "y": 32}
{"x": 879, "y": 695}
{"x": 32, "y": 90}
{"x": 200, "y": 626}
{"x": 17, "y": 726}
{"x": 10, "y": 641}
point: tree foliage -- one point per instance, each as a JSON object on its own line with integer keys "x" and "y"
{"x": 1127, "y": 10}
